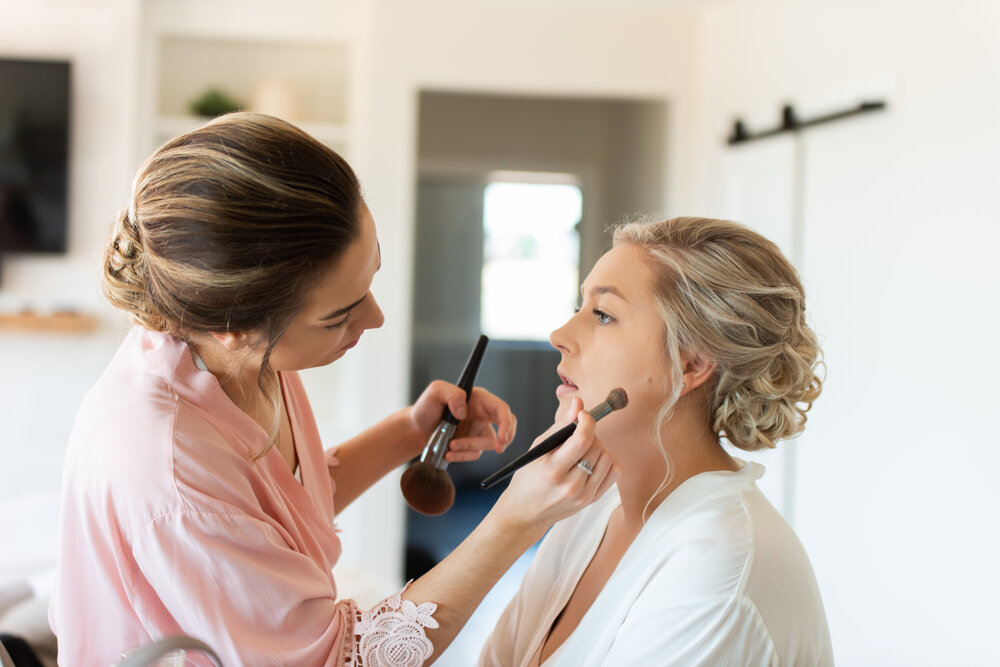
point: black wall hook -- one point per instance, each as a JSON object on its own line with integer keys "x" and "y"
{"x": 791, "y": 123}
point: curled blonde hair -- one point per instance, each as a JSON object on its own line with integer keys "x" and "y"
{"x": 729, "y": 294}
{"x": 227, "y": 227}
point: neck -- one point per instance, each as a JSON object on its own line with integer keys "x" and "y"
{"x": 691, "y": 449}
{"x": 236, "y": 372}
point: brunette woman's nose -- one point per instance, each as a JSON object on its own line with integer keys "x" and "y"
{"x": 376, "y": 317}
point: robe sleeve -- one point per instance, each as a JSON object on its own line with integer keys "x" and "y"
{"x": 709, "y": 632}
{"x": 499, "y": 649}
{"x": 256, "y": 601}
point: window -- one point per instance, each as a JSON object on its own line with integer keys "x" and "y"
{"x": 531, "y": 254}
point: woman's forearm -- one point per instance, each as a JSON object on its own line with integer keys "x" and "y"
{"x": 369, "y": 456}
{"x": 460, "y": 582}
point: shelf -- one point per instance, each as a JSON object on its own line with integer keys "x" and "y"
{"x": 300, "y": 81}
{"x": 295, "y": 61}
{"x": 59, "y": 322}
{"x": 334, "y": 135}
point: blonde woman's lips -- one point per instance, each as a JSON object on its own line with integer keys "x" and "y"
{"x": 567, "y": 386}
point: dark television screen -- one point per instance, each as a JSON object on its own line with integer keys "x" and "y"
{"x": 34, "y": 155}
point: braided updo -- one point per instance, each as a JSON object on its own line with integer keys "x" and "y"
{"x": 728, "y": 293}
{"x": 226, "y": 227}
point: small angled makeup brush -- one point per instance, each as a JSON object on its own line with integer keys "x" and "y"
{"x": 426, "y": 485}
{"x": 616, "y": 400}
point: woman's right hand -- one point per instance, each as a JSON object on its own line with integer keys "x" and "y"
{"x": 554, "y": 487}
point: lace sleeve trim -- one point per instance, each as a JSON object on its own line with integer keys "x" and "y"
{"x": 390, "y": 634}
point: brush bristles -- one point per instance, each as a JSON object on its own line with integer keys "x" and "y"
{"x": 617, "y": 399}
{"x": 427, "y": 489}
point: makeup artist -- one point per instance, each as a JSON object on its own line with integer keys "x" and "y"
{"x": 197, "y": 497}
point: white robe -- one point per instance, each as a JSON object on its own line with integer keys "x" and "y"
{"x": 715, "y": 577}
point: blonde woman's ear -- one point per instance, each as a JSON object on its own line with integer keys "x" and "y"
{"x": 697, "y": 370}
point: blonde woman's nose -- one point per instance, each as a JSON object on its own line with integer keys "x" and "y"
{"x": 559, "y": 338}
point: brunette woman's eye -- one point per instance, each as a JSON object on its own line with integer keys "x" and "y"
{"x": 603, "y": 318}
{"x": 341, "y": 323}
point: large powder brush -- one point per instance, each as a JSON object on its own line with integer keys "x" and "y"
{"x": 426, "y": 485}
{"x": 616, "y": 400}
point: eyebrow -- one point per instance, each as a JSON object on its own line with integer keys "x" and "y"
{"x": 606, "y": 289}
{"x": 348, "y": 308}
{"x": 344, "y": 310}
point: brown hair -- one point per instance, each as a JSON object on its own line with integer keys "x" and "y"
{"x": 728, "y": 293}
{"x": 227, "y": 227}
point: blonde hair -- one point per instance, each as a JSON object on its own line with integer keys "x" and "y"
{"x": 727, "y": 293}
{"x": 227, "y": 227}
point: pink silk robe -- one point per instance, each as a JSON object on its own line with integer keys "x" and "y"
{"x": 169, "y": 526}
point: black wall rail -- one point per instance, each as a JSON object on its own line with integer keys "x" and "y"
{"x": 790, "y": 123}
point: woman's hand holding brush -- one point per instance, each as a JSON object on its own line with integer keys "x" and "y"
{"x": 487, "y": 424}
{"x": 558, "y": 485}
{"x": 426, "y": 485}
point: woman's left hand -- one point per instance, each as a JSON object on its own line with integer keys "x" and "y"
{"x": 486, "y": 421}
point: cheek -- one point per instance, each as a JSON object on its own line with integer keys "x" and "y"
{"x": 647, "y": 391}
{"x": 306, "y": 349}
{"x": 640, "y": 377}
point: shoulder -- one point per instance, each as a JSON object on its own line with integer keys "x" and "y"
{"x": 706, "y": 551}
{"x": 736, "y": 563}
{"x": 143, "y": 432}
{"x": 782, "y": 586}
{"x": 727, "y": 543}
{"x": 124, "y": 423}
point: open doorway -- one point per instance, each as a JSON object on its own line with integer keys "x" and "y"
{"x": 514, "y": 199}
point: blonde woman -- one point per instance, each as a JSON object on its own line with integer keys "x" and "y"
{"x": 197, "y": 496}
{"x": 684, "y": 562}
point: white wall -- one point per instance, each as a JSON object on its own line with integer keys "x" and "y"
{"x": 43, "y": 376}
{"x": 895, "y": 497}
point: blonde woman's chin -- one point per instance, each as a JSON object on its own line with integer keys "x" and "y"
{"x": 565, "y": 401}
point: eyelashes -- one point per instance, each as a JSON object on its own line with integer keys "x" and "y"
{"x": 340, "y": 324}
{"x": 602, "y": 317}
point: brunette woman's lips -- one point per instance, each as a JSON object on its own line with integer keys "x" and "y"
{"x": 352, "y": 343}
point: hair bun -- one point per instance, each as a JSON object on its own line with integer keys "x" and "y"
{"x": 762, "y": 403}
{"x": 124, "y": 279}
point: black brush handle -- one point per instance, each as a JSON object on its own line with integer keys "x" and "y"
{"x": 543, "y": 448}
{"x": 598, "y": 412}
{"x": 472, "y": 365}
{"x": 469, "y": 373}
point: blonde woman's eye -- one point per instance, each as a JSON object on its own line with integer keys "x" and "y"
{"x": 602, "y": 317}
{"x": 341, "y": 323}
